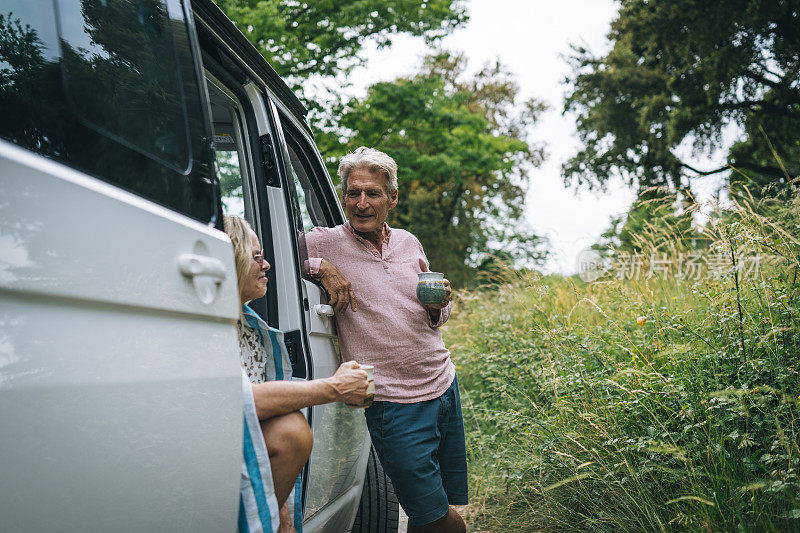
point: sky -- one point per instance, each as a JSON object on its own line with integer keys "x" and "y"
{"x": 532, "y": 38}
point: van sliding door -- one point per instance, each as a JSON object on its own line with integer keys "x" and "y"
{"x": 120, "y": 383}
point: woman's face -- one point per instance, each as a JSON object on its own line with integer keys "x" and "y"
{"x": 255, "y": 281}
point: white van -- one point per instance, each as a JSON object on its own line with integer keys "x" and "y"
{"x": 120, "y": 400}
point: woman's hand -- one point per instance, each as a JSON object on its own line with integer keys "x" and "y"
{"x": 350, "y": 383}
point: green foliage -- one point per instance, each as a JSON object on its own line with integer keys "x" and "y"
{"x": 678, "y": 73}
{"x": 325, "y": 37}
{"x": 580, "y": 419}
{"x": 652, "y": 222}
{"x": 462, "y": 153}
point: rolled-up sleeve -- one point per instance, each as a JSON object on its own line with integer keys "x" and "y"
{"x": 311, "y": 265}
{"x": 311, "y": 244}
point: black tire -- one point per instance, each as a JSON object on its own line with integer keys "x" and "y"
{"x": 378, "y": 511}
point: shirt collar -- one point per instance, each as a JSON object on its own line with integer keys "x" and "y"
{"x": 386, "y": 228}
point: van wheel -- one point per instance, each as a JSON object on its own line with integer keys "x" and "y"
{"x": 378, "y": 511}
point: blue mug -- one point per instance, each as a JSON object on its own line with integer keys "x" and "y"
{"x": 430, "y": 288}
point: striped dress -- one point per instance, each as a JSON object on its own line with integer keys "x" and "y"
{"x": 264, "y": 358}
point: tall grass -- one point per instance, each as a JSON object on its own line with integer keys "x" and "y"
{"x": 581, "y": 419}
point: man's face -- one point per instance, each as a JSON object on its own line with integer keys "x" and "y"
{"x": 367, "y": 200}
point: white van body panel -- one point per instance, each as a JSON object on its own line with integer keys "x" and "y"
{"x": 117, "y": 383}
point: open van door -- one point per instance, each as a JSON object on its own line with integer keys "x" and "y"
{"x": 120, "y": 380}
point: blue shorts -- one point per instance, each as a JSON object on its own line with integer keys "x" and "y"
{"x": 421, "y": 447}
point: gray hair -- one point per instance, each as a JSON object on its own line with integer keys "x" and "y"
{"x": 372, "y": 160}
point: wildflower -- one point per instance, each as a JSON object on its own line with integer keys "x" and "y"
{"x": 641, "y": 320}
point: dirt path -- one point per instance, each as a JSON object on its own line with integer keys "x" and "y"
{"x": 403, "y": 528}
{"x": 462, "y": 510}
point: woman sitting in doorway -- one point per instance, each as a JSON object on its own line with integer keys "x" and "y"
{"x": 277, "y": 399}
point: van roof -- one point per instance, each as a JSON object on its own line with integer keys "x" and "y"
{"x": 212, "y": 15}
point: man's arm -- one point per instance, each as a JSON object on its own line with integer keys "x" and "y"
{"x": 339, "y": 289}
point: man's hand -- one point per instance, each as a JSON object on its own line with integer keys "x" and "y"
{"x": 446, "y": 301}
{"x": 339, "y": 289}
{"x": 434, "y": 308}
{"x": 350, "y": 383}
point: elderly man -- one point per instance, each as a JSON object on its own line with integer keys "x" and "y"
{"x": 370, "y": 272}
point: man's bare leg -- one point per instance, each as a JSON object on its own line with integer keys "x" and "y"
{"x": 289, "y": 442}
{"x": 449, "y": 523}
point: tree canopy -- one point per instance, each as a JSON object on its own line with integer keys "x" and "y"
{"x": 460, "y": 142}
{"x": 463, "y": 155}
{"x": 679, "y": 72}
{"x": 324, "y": 37}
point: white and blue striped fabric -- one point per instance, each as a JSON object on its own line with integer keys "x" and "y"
{"x": 258, "y": 508}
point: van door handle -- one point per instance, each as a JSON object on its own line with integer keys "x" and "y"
{"x": 323, "y": 310}
{"x": 207, "y": 273}
{"x": 193, "y": 265}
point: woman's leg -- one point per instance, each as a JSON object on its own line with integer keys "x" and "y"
{"x": 289, "y": 441}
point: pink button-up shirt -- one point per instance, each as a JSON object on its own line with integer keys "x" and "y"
{"x": 391, "y": 330}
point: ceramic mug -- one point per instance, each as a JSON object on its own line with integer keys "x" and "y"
{"x": 430, "y": 288}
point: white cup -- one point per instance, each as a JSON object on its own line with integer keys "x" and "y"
{"x": 370, "y": 370}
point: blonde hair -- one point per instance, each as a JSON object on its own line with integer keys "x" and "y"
{"x": 372, "y": 160}
{"x": 238, "y": 229}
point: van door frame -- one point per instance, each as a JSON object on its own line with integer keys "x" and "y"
{"x": 266, "y": 307}
{"x": 260, "y": 118}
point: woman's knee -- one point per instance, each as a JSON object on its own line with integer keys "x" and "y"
{"x": 303, "y": 438}
{"x": 288, "y": 434}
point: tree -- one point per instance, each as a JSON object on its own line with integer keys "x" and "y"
{"x": 651, "y": 224}
{"x": 324, "y": 37}
{"x": 462, "y": 151}
{"x": 677, "y": 74}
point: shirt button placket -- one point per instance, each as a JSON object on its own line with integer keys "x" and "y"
{"x": 384, "y": 263}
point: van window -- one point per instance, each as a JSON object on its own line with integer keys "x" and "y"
{"x": 109, "y": 88}
{"x": 230, "y": 150}
{"x": 121, "y": 75}
{"x": 307, "y": 206}
{"x": 229, "y": 112}
{"x": 308, "y": 203}
{"x": 230, "y": 174}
